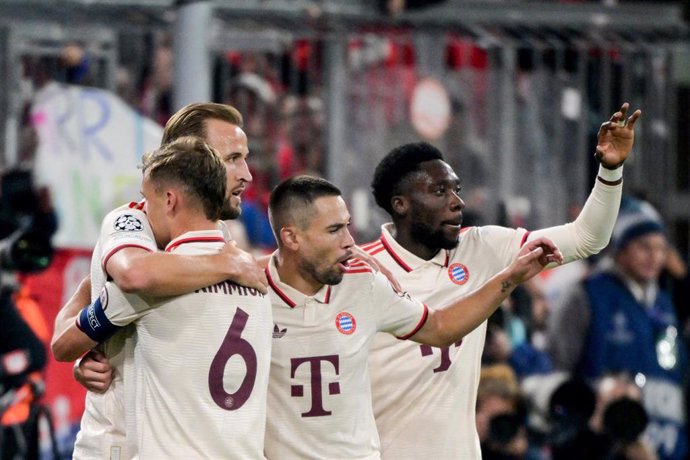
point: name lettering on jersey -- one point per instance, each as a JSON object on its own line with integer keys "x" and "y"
{"x": 345, "y": 323}
{"x": 458, "y": 273}
{"x": 229, "y": 288}
{"x": 128, "y": 223}
{"x": 428, "y": 350}
{"x": 278, "y": 332}
{"x": 333, "y": 388}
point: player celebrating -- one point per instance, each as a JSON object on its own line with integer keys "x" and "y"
{"x": 127, "y": 252}
{"x": 326, "y": 312}
{"x": 202, "y": 359}
{"x": 435, "y": 260}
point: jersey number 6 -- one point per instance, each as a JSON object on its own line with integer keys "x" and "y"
{"x": 233, "y": 344}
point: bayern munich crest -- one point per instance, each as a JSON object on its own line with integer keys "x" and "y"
{"x": 128, "y": 223}
{"x": 458, "y": 273}
{"x": 345, "y": 323}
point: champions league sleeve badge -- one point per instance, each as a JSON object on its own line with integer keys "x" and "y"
{"x": 458, "y": 273}
{"x": 128, "y": 223}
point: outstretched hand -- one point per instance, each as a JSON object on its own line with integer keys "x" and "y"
{"x": 534, "y": 256}
{"x": 615, "y": 138}
{"x": 362, "y": 254}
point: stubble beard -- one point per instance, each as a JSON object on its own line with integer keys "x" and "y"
{"x": 432, "y": 239}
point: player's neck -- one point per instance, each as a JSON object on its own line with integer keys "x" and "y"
{"x": 404, "y": 238}
{"x": 191, "y": 223}
{"x": 290, "y": 274}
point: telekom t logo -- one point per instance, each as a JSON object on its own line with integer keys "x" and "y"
{"x": 297, "y": 391}
{"x": 428, "y": 350}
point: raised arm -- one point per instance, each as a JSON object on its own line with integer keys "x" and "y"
{"x": 451, "y": 323}
{"x": 591, "y": 231}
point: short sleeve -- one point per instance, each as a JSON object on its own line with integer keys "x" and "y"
{"x": 120, "y": 308}
{"x": 125, "y": 227}
{"x": 398, "y": 313}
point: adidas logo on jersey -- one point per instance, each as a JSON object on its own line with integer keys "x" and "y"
{"x": 277, "y": 332}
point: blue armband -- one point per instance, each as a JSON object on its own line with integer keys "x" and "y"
{"x": 93, "y": 322}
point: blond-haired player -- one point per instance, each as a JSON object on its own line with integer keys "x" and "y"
{"x": 201, "y": 359}
{"x": 126, "y": 252}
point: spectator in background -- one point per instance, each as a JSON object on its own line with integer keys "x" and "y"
{"x": 22, "y": 356}
{"x": 571, "y": 407}
{"x": 620, "y": 320}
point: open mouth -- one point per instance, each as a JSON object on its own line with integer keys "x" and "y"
{"x": 344, "y": 263}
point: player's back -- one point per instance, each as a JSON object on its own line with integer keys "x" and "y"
{"x": 202, "y": 364}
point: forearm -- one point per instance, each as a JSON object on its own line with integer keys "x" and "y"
{"x": 71, "y": 343}
{"x": 68, "y": 313}
{"x": 591, "y": 231}
{"x": 452, "y": 322}
{"x": 165, "y": 274}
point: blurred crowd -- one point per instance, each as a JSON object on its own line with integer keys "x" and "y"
{"x": 588, "y": 361}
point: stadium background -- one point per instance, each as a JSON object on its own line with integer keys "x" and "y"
{"x": 512, "y": 91}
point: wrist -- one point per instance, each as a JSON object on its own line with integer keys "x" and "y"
{"x": 609, "y": 176}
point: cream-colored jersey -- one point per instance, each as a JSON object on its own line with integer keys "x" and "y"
{"x": 102, "y": 432}
{"x": 202, "y": 362}
{"x": 424, "y": 397}
{"x": 319, "y": 399}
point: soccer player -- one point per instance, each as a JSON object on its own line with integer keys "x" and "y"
{"x": 424, "y": 398}
{"x": 201, "y": 359}
{"x": 326, "y": 311}
{"x": 126, "y": 252}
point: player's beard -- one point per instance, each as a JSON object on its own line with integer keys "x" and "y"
{"x": 230, "y": 212}
{"x": 432, "y": 238}
{"x": 330, "y": 276}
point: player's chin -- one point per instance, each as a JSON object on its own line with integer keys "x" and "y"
{"x": 231, "y": 211}
{"x": 449, "y": 238}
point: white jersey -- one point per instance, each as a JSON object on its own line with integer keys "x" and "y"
{"x": 102, "y": 432}
{"x": 202, "y": 362}
{"x": 424, "y": 397}
{"x": 319, "y": 399}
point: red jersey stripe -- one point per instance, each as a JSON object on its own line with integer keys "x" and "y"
{"x": 199, "y": 239}
{"x": 419, "y": 325}
{"x": 395, "y": 257}
{"x": 277, "y": 290}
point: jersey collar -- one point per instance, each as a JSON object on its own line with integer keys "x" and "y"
{"x": 291, "y": 296}
{"x": 405, "y": 258}
{"x": 201, "y": 236}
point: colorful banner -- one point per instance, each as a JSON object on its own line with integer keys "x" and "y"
{"x": 90, "y": 144}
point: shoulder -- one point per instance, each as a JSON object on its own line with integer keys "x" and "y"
{"x": 373, "y": 247}
{"x": 129, "y": 217}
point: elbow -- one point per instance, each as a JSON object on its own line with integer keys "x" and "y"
{"x": 61, "y": 352}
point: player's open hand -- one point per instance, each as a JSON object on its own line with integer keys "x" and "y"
{"x": 615, "y": 138}
{"x": 534, "y": 256}
{"x": 360, "y": 253}
{"x": 93, "y": 372}
{"x": 249, "y": 272}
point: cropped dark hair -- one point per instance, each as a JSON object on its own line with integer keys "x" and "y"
{"x": 295, "y": 194}
{"x": 396, "y": 166}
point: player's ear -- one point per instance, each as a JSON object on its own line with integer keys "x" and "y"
{"x": 399, "y": 204}
{"x": 288, "y": 236}
{"x": 171, "y": 200}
